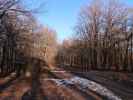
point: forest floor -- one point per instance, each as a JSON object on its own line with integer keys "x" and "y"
{"x": 58, "y": 84}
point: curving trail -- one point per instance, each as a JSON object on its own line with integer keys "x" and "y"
{"x": 74, "y": 87}
{"x": 57, "y": 84}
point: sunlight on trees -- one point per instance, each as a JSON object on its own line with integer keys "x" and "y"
{"x": 104, "y": 36}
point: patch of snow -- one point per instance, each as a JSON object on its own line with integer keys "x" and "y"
{"x": 85, "y": 84}
{"x": 60, "y": 82}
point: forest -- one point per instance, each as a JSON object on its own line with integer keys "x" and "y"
{"x": 97, "y": 57}
{"x": 104, "y": 38}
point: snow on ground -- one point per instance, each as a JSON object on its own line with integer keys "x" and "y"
{"x": 86, "y": 84}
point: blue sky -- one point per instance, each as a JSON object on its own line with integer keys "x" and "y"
{"x": 61, "y": 15}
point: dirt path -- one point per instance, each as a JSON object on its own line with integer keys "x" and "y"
{"x": 123, "y": 88}
{"x": 14, "y": 90}
{"x": 76, "y": 88}
{"x": 57, "y": 84}
{"x": 53, "y": 88}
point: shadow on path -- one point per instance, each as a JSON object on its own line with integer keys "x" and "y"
{"x": 7, "y": 84}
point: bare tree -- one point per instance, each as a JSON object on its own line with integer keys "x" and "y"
{"x": 17, "y": 26}
{"x": 104, "y": 31}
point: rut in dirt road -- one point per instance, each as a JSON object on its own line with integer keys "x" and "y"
{"x": 86, "y": 88}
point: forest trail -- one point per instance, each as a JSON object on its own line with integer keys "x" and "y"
{"x": 60, "y": 84}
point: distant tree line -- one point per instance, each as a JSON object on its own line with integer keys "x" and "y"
{"x": 104, "y": 38}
